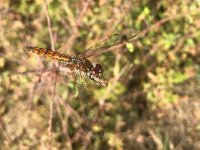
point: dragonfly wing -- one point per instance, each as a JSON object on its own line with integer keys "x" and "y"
{"x": 85, "y": 100}
{"x": 102, "y": 46}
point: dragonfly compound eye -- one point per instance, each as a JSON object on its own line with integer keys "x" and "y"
{"x": 98, "y": 70}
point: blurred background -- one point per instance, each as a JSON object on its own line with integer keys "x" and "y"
{"x": 151, "y": 101}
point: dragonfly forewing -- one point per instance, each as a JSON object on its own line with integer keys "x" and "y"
{"x": 104, "y": 45}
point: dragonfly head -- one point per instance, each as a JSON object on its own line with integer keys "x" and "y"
{"x": 97, "y": 70}
{"x": 96, "y": 74}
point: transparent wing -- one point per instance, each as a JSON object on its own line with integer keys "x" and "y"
{"x": 102, "y": 46}
{"x": 88, "y": 108}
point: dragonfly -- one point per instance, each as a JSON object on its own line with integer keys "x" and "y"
{"x": 80, "y": 66}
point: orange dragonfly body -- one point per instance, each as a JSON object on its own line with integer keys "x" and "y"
{"x": 80, "y": 64}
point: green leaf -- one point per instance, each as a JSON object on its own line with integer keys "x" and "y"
{"x": 146, "y": 11}
{"x": 130, "y": 47}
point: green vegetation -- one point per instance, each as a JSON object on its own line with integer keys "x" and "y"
{"x": 152, "y": 98}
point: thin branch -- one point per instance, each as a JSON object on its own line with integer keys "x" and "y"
{"x": 63, "y": 122}
{"x": 74, "y": 29}
{"x": 49, "y": 24}
{"x": 69, "y": 111}
{"x": 158, "y": 24}
{"x": 50, "y": 118}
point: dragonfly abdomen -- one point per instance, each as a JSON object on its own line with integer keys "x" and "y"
{"x": 50, "y": 54}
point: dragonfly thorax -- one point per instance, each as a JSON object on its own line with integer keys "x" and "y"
{"x": 81, "y": 64}
{"x": 86, "y": 66}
